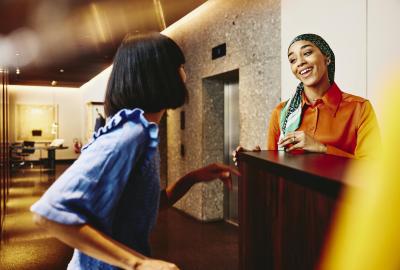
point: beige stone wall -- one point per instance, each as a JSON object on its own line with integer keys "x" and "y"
{"x": 251, "y": 31}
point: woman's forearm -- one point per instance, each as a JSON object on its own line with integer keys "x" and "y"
{"x": 208, "y": 173}
{"x": 92, "y": 242}
{"x": 176, "y": 191}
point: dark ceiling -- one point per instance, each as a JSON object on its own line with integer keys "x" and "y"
{"x": 71, "y": 41}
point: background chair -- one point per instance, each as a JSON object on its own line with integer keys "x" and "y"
{"x": 26, "y": 150}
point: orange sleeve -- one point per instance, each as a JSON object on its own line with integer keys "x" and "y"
{"x": 332, "y": 150}
{"x": 368, "y": 134}
{"x": 274, "y": 129}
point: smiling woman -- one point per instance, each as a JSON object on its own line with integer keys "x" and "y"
{"x": 320, "y": 117}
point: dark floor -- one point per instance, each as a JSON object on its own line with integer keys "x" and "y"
{"x": 193, "y": 245}
{"x": 190, "y": 244}
{"x": 24, "y": 245}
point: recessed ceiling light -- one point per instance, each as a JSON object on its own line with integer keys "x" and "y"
{"x": 17, "y": 54}
{"x": 61, "y": 70}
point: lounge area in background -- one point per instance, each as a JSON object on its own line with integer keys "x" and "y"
{"x": 55, "y": 63}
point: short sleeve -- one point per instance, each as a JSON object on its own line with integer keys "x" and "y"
{"x": 89, "y": 190}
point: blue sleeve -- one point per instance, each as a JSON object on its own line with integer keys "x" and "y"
{"x": 89, "y": 190}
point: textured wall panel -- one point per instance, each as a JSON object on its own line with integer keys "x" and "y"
{"x": 251, "y": 31}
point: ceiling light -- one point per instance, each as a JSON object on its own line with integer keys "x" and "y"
{"x": 53, "y": 83}
{"x": 61, "y": 70}
{"x": 17, "y": 71}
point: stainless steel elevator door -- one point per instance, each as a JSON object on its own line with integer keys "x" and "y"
{"x": 231, "y": 141}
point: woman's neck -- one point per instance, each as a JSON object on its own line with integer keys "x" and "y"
{"x": 316, "y": 92}
{"x": 154, "y": 117}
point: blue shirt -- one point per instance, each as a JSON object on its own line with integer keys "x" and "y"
{"x": 114, "y": 186}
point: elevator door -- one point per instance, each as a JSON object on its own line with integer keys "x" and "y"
{"x": 231, "y": 141}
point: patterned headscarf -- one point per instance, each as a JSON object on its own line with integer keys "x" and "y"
{"x": 291, "y": 114}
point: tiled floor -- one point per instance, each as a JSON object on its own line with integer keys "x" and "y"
{"x": 190, "y": 244}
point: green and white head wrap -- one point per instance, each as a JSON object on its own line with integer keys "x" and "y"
{"x": 290, "y": 116}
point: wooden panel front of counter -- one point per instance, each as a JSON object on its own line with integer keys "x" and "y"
{"x": 286, "y": 205}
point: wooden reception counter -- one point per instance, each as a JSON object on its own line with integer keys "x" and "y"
{"x": 286, "y": 206}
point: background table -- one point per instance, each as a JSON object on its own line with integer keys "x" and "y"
{"x": 51, "y": 153}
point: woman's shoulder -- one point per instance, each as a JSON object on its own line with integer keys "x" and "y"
{"x": 126, "y": 127}
{"x": 346, "y": 97}
{"x": 357, "y": 103}
{"x": 278, "y": 108}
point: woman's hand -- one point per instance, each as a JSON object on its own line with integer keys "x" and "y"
{"x": 241, "y": 149}
{"x": 299, "y": 140}
{"x": 214, "y": 171}
{"x": 151, "y": 264}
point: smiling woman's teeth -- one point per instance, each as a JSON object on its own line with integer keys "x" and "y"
{"x": 304, "y": 71}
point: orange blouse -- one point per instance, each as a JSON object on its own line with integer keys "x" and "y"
{"x": 345, "y": 123}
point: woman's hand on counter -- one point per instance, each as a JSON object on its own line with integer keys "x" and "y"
{"x": 242, "y": 149}
{"x": 300, "y": 140}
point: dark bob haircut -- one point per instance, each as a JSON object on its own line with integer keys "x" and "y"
{"x": 145, "y": 75}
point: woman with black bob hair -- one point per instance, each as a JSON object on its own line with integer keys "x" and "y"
{"x": 106, "y": 203}
{"x": 154, "y": 81}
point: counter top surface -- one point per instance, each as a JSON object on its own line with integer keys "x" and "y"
{"x": 328, "y": 167}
